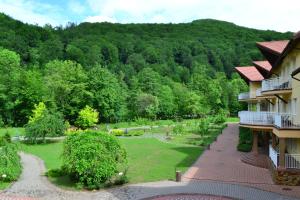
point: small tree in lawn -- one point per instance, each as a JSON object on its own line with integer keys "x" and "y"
{"x": 44, "y": 123}
{"x": 87, "y": 117}
{"x": 38, "y": 112}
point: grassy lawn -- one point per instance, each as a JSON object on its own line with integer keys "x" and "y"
{"x": 4, "y": 185}
{"x": 149, "y": 159}
{"x": 152, "y": 160}
{"x": 232, "y": 119}
{"x": 49, "y": 152}
{"x": 12, "y": 131}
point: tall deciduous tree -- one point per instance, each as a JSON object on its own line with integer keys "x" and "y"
{"x": 67, "y": 85}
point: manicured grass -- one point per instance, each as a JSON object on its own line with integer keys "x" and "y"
{"x": 12, "y": 131}
{"x": 152, "y": 160}
{"x": 232, "y": 119}
{"x": 4, "y": 185}
{"x": 148, "y": 158}
{"x": 49, "y": 152}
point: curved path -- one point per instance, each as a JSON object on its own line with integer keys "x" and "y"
{"x": 33, "y": 185}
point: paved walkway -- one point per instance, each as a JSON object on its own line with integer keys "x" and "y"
{"x": 223, "y": 163}
{"x": 32, "y": 185}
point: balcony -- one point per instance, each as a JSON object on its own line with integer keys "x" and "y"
{"x": 276, "y": 84}
{"x": 284, "y": 120}
{"x": 292, "y": 161}
{"x": 256, "y": 118}
{"x": 244, "y": 96}
{"x": 258, "y": 92}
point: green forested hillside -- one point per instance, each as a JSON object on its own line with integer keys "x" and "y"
{"x": 124, "y": 71}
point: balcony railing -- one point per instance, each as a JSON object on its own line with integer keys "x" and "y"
{"x": 273, "y": 154}
{"x": 284, "y": 120}
{"x": 256, "y": 118}
{"x": 292, "y": 161}
{"x": 258, "y": 92}
{"x": 243, "y": 96}
{"x": 277, "y": 83}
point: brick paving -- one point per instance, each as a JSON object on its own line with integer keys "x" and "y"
{"x": 223, "y": 163}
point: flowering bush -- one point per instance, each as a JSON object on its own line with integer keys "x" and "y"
{"x": 10, "y": 166}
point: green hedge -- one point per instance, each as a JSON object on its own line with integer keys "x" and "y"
{"x": 245, "y": 139}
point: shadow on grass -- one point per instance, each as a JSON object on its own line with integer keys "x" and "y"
{"x": 63, "y": 182}
{"x": 192, "y": 153}
{"x": 40, "y": 142}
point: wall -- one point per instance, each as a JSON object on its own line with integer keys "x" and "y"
{"x": 253, "y": 87}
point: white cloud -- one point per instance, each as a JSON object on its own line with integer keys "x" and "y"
{"x": 32, "y": 12}
{"x": 262, "y": 14}
{"x": 76, "y": 7}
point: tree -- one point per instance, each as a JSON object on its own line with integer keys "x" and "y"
{"x": 9, "y": 86}
{"x": 66, "y": 82}
{"x": 167, "y": 106}
{"x": 87, "y": 117}
{"x": 147, "y": 106}
{"x": 108, "y": 95}
{"x": 44, "y": 123}
{"x": 38, "y": 112}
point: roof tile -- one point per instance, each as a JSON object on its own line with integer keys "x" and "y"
{"x": 277, "y": 46}
{"x": 263, "y": 64}
{"x": 250, "y": 72}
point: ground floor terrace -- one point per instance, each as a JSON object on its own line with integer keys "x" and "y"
{"x": 219, "y": 173}
{"x": 224, "y": 163}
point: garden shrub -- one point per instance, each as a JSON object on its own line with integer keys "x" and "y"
{"x": 10, "y": 166}
{"x": 51, "y": 124}
{"x": 87, "y": 117}
{"x": 55, "y": 173}
{"x": 117, "y": 132}
{"x": 178, "y": 129}
{"x": 220, "y": 117}
{"x": 142, "y": 121}
{"x": 245, "y": 139}
{"x": 93, "y": 158}
{"x": 203, "y": 126}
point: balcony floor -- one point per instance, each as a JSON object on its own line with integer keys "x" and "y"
{"x": 273, "y": 92}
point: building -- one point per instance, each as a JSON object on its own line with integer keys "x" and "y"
{"x": 273, "y": 113}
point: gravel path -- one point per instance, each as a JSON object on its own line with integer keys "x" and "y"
{"x": 33, "y": 185}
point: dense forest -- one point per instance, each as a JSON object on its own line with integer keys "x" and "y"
{"x": 124, "y": 71}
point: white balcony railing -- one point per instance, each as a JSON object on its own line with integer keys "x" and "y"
{"x": 292, "y": 161}
{"x": 256, "y": 118}
{"x": 277, "y": 83}
{"x": 258, "y": 92}
{"x": 284, "y": 120}
{"x": 273, "y": 154}
{"x": 243, "y": 96}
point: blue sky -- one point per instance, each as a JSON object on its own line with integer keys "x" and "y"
{"x": 261, "y": 14}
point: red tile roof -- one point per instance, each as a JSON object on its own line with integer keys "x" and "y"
{"x": 263, "y": 64}
{"x": 250, "y": 73}
{"x": 275, "y": 46}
